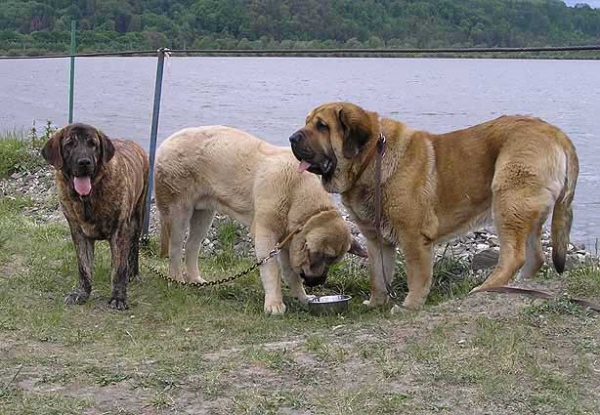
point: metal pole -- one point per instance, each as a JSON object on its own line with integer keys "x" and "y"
{"x": 72, "y": 75}
{"x": 153, "y": 133}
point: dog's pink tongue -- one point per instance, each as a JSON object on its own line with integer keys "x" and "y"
{"x": 304, "y": 165}
{"x": 83, "y": 185}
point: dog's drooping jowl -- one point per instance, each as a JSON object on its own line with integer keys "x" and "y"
{"x": 514, "y": 169}
{"x": 102, "y": 188}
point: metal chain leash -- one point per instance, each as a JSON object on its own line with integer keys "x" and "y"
{"x": 159, "y": 273}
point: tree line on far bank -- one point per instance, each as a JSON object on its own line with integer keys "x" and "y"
{"x": 38, "y": 27}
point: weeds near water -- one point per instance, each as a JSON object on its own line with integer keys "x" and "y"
{"x": 38, "y": 140}
{"x": 20, "y": 152}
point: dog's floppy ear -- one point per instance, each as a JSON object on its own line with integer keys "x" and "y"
{"x": 52, "y": 152}
{"x": 357, "y": 249}
{"x": 357, "y": 130}
{"x": 107, "y": 149}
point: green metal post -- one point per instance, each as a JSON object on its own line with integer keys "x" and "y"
{"x": 72, "y": 74}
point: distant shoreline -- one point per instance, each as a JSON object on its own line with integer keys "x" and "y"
{"x": 301, "y": 54}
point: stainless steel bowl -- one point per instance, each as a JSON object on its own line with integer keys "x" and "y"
{"x": 329, "y": 304}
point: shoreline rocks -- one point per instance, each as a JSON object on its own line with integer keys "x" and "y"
{"x": 479, "y": 248}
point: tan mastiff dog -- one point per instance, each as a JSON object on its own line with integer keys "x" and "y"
{"x": 514, "y": 169}
{"x": 200, "y": 171}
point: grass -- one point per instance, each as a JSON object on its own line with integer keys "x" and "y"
{"x": 183, "y": 350}
{"x": 20, "y": 152}
{"x": 14, "y": 154}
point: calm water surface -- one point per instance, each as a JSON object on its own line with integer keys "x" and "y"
{"x": 270, "y": 98}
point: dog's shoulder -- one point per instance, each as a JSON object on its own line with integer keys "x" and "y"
{"x": 126, "y": 146}
{"x": 129, "y": 152}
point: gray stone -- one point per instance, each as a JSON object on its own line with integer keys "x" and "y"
{"x": 493, "y": 241}
{"x": 485, "y": 259}
{"x": 482, "y": 247}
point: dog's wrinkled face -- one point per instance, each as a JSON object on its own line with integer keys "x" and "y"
{"x": 322, "y": 242}
{"x": 78, "y": 151}
{"x": 332, "y": 141}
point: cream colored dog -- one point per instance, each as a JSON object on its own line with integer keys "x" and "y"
{"x": 200, "y": 171}
{"x": 515, "y": 169}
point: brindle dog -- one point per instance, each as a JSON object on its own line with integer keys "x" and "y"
{"x": 102, "y": 187}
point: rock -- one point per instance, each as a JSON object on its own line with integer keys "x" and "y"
{"x": 485, "y": 259}
{"x": 493, "y": 241}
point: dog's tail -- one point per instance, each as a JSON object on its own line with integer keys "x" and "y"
{"x": 165, "y": 236}
{"x": 562, "y": 216}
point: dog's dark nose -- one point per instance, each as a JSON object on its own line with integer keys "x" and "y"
{"x": 84, "y": 162}
{"x": 296, "y": 137}
{"x": 314, "y": 281}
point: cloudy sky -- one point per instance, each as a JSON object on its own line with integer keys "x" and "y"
{"x": 593, "y": 3}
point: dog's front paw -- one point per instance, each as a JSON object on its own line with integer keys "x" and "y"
{"x": 413, "y": 303}
{"x": 118, "y": 303}
{"x": 274, "y": 308}
{"x": 400, "y": 310}
{"x": 196, "y": 280}
{"x": 76, "y": 297}
{"x": 376, "y": 301}
{"x": 177, "y": 278}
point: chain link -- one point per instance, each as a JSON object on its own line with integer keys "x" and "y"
{"x": 159, "y": 273}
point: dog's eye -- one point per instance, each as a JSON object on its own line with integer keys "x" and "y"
{"x": 321, "y": 126}
{"x": 68, "y": 143}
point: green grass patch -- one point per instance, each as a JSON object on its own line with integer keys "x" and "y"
{"x": 15, "y": 401}
{"x": 14, "y": 155}
{"x": 584, "y": 281}
{"x": 21, "y": 152}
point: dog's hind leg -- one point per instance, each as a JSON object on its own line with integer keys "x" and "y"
{"x": 534, "y": 255}
{"x": 199, "y": 225}
{"x": 133, "y": 266}
{"x": 517, "y": 215}
{"x": 134, "y": 246}
{"x": 165, "y": 235}
{"x": 137, "y": 224}
{"x": 180, "y": 219}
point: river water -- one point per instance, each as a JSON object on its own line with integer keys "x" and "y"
{"x": 270, "y": 98}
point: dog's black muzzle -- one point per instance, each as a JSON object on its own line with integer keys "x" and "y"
{"x": 320, "y": 164}
{"x": 313, "y": 281}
